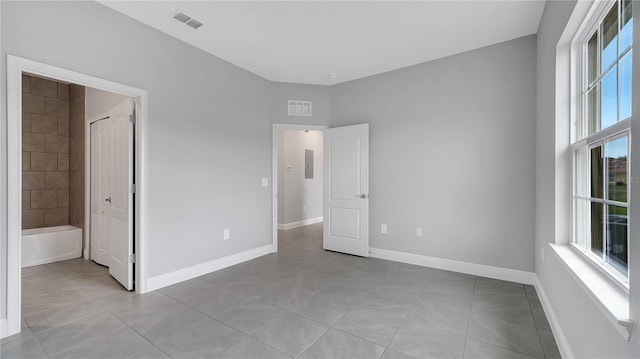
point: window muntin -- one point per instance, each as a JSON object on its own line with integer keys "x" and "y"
{"x": 607, "y": 85}
{"x": 601, "y": 158}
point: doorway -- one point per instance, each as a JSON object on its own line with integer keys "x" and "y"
{"x": 15, "y": 68}
{"x": 297, "y": 177}
{"x": 345, "y": 186}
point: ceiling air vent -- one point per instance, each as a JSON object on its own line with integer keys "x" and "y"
{"x": 194, "y": 23}
{"x": 186, "y": 19}
{"x": 299, "y": 108}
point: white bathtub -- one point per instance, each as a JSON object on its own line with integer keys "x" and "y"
{"x": 50, "y": 244}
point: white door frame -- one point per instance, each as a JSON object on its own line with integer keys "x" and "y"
{"x": 274, "y": 171}
{"x": 15, "y": 67}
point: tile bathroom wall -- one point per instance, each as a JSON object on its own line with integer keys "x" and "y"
{"x": 76, "y": 155}
{"x": 45, "y": 156}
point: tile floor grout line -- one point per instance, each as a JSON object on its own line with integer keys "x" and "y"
{"x": 535, "y": 324}
{"x": 466, "y": 335}
{"x": 250, "y": 336}
{"x": 413, "y": 304}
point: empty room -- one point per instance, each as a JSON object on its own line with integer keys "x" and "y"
{"x": 319, "y": 179}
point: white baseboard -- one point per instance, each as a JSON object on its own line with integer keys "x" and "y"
{"x": 4, "y": 329}
{"x": 304, "y": 222}
{"x": 558, "y": 334}
{"x": 512, "y": 275}
{"x": 167, "y": 279}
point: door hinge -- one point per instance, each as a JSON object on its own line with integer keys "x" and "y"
{"x": 133, "y": 188}
{"x": 132, "y": 258}
{"x": 132, "y": 118}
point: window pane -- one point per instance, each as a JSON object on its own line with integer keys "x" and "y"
{"x": 596, "y": 172}
{"x": 625, "y": 85}
{"x": 626, "y": 31}
{"x": 592, "y": 109}
{"x": 615, "y": 153}
{"x": 617, "y": 238}
{"x": 597, "y": 228}
{"x": 610, "y": 38}
{"x": 609, "y": 98}
{"x": 592, "y": 57}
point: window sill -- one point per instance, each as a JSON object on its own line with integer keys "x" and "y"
{"x": 608, "y": 296}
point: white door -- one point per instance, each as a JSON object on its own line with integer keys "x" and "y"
{"x": 114, "y": 172}
{"x": 100, "y": 188}
{"x": 346, "y": 190}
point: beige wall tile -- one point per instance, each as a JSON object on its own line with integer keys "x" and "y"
{"x": 32, "y": 180}
{"x": 32, "y": 218}
{"x": 56, "y": 144}
{"x": 63, "y": 162}
{"x": 26, "y": 199}
{"x": 63, "y": 126}
{"x": 44, "y": 161}
{"x": 76, "y": 180}
{"x": 56, "y": 216}
{"x": 44, "y": 199}
{"x": 26, "y": 122}
{"x": 76, "y": 161}
{"x": 63, "y": 198}
{"x": 40, "y": 86}
{"x": 33, "y": 142}
{"x": 63, "y": 91}
{"x": 32, "y": 103}
{"x": 44, "y": 124}
{"x": 57, "y": 180}
{"x": 26, "y": 161}
{"x": 55, "y": 107}
{"x": 76, "y": 208}
{"x": 26, "y": 83}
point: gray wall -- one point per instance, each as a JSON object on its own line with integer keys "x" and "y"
{"x": 299, "y": 198}
{"x": 588, "y": 333}
{"x": 209, "y": 128}
{"x": 281, "y": 92}
{"x": 452, "y": 150}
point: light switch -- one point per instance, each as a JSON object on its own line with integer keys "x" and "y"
{"x": 265, "y": 181}
{"x": 383, "y": 228}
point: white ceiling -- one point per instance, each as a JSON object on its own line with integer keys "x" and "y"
{"x": 305, "y": 41}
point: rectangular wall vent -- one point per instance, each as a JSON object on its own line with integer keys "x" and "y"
{"x": 299, "y": 108}
{"x": 186, "y": 19}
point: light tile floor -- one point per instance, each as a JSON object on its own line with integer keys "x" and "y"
{"x": 302, "y": 302}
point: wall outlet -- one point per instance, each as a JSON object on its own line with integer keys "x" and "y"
{"x": 226, "y": 234}
{"x": 265, "y": 182}
{"x": 383, "y": 228}
{"x": 419, "y": 231}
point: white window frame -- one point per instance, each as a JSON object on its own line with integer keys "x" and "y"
{"x": 581, "y": 139}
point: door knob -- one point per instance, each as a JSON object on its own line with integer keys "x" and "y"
{"x": 363, "y": 196}
{"x": 108, "y": 199}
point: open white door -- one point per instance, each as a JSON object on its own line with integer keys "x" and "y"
{"x": 101, "y": 142}
{"x": 121, "y": 224}
{"x": 346, "y": 190}
{"x": 111, "y": 193}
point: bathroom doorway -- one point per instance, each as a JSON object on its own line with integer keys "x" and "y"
{"x": 44, "y": 93}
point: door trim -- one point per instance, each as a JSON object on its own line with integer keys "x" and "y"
{"x": 15, "y": 67}
{"x": 274, "y": 171}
